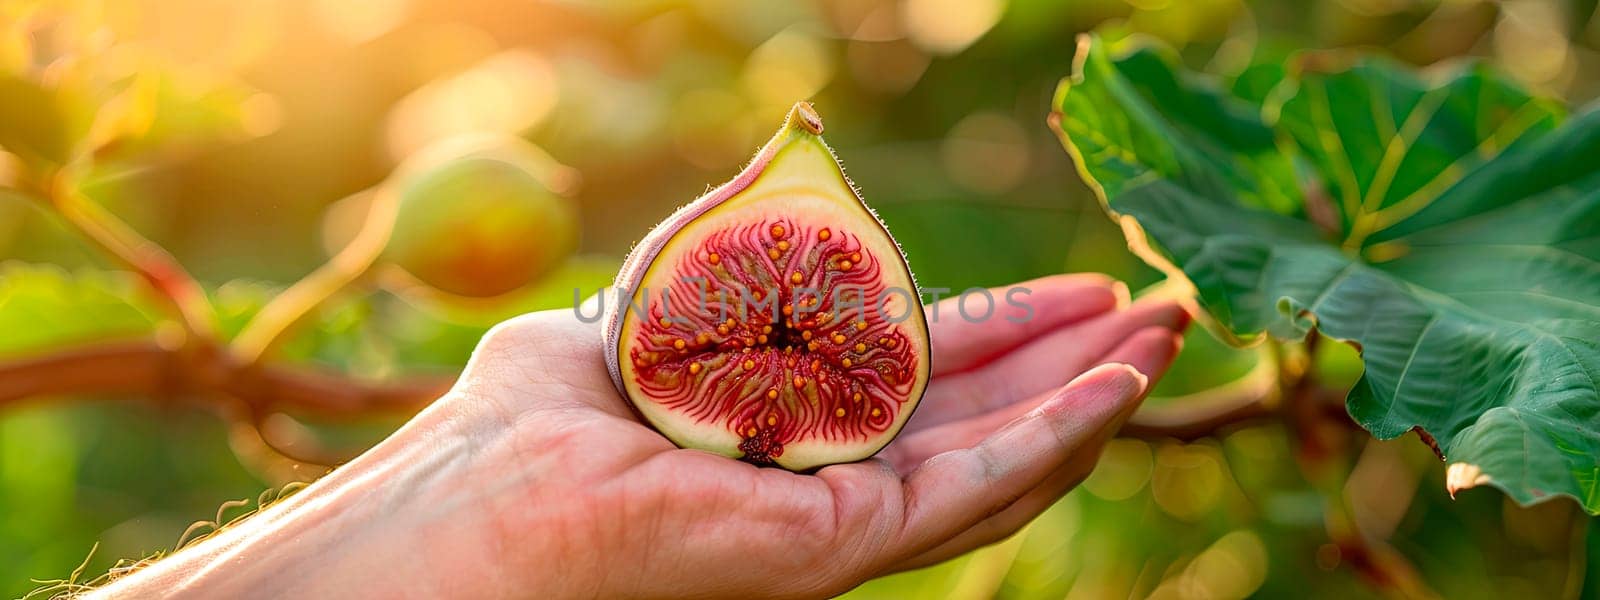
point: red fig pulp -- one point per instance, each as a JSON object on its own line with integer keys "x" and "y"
{"x": 773, "y": 319}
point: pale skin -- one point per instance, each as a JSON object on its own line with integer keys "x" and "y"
{"x": 532, "y": 477}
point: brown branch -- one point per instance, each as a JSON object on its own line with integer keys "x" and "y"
{"x": 148, "y": 368}
{"x": 333, "y": 395}
{"x": 115, "y": 367}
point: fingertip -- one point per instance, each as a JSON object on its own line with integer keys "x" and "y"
{"x": 1132, "y": 403}
{"x": 1185, "y": 317}
{"x": 1119, "y": 290}
{"x": 1149, "y": 350}
{"x": 1130, "y": 380}
{"x": 1162, "y": 312}
{"x": 1190, "y": 304}
{"x": 1098, "y": 394}
{"x": 1170, "y": 340}
{"x": 1093, "y": 300}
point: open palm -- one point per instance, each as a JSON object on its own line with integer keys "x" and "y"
{"x": 1014, "y": 417}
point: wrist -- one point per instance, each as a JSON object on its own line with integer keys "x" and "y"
{"x": 388, "y": 522}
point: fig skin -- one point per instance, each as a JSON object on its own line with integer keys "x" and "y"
{"x": 482, "y": 215}
{"x": 852, "y": 413}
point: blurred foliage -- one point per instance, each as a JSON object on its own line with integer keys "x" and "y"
{"x": 225, "y": 131}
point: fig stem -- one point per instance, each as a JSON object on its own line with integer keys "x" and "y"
{"x": 805, "y": 115}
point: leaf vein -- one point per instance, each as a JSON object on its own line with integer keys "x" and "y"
{"x": 1415, "y": 346}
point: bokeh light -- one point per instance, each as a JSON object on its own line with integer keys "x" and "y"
{"x": 509, "y": 92}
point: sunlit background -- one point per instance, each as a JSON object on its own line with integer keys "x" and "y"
{"x": 231, "y": 134}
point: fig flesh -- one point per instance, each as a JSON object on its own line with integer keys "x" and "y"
{"x": 773, "y": 319}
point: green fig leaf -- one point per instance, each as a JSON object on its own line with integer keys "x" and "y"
{"x": 1448, "y": 227}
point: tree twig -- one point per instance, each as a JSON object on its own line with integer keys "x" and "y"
{"x": 287, "y": 309}
{"x": 1193, "y": 416}
{"x": 1191, "y": 419}
{"x": 152, "y": 262}
{"x": 257, "y": 454}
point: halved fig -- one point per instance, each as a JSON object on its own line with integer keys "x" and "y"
{"x": 773, "y": 319}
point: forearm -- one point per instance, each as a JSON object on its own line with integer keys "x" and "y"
{"x": 382, "y": 525}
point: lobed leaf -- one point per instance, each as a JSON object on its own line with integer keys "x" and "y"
{"x": 1448, "y": 228}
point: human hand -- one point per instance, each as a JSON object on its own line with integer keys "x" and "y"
{"x": 534, "y": 477}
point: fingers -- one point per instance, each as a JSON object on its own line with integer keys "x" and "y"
{"x": 1041, "y": 365}
{"x": 1150, "y": 351}
{"x": 1008, "y": 521}
{"x": 1154, "y": 349}
{"x": 956, "y": 490}
{"x": 888, "y": 520}
{"x": 1022, "y": 312}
